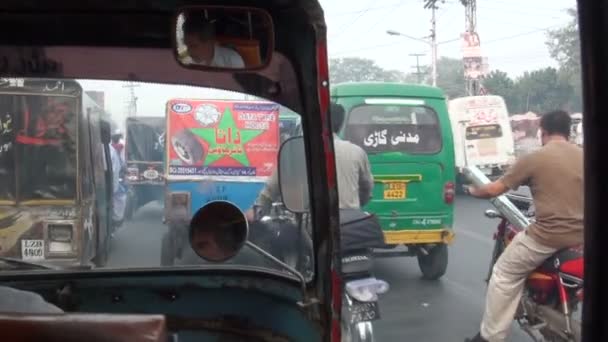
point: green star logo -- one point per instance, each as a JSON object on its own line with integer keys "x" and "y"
{"x": 226, "y": 140}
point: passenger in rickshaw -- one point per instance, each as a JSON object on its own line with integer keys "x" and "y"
{"x": 50, "y": 147}
{"x": 203, "y": 47}
{"x": 119, "y": 193}
{"x": 118, "y": 145}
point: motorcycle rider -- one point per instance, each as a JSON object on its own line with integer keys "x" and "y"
{"x": 554, "y": 174}
{"x": 355, "y": 180}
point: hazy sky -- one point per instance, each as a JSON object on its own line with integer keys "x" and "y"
{"x": 512, "y": 32}
{"x": 512, "y": 35}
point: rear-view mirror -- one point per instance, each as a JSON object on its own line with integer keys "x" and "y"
{"x": 293, "y": 175}
{"x": 223, "y": 38}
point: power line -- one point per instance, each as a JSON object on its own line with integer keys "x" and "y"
{"x": 344, "y": 27}
{"x": 366, "y": 9}
{"x": 511, "y": 3}
{"x": 520, "y": 12}
{"x": 417, "y": 66}
{"x": 382, "y": 19}
{"x": 371, "y": 47}
{"x": 520, "y": 34}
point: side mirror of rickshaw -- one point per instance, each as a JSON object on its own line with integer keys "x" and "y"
{"x": 218, "y": 231}
{"x": 293, "y": 175}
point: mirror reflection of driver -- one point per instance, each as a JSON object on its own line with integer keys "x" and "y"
{"x": 203, "y": 47}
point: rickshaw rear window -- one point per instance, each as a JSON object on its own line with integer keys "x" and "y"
{"x": 483, "y": 132}
{"x": 394, "y": 128}
{"x": 38, "y": 133}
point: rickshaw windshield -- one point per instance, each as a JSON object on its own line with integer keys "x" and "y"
{"x": 220, "y": 145}
{"x": 38, "y": 144}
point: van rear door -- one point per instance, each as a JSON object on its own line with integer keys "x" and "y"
{"x": 401, "y": 141}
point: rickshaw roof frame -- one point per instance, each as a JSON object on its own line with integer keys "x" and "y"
{"x": 392, "y": 89}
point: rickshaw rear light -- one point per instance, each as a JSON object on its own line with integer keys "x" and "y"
{"x": 449, "y": 192}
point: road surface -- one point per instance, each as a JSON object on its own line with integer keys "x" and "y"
{"x": 414, "y": 310}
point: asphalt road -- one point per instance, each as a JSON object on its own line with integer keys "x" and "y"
{"x": 414, "y": 309}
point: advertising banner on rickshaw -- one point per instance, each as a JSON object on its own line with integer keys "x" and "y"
{"x": 222, "y": 138}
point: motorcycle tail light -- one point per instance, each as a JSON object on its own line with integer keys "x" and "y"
{"x": 366, "y": 290}
{"x": 448, "y": 193}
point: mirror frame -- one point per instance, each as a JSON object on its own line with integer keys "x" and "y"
{"x": 279, "y": 175}
{"x": 271, "y": 41}
{"x": 242, "y": 244}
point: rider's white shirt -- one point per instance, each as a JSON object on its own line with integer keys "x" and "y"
{"x": 222, "y": 57}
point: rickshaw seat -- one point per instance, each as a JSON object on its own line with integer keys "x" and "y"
{"x": 83, "y": 327}
{"x": 249, "y": 49}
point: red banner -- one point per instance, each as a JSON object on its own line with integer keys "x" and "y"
{"x": 222, "y": 138}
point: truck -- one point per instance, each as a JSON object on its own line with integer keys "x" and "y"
{"x": 145, "y": 145}
{"x": 482, "y": 135}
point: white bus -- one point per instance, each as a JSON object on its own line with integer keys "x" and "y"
{"x": 482, "y": 134}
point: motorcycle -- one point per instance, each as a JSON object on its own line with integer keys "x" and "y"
{"x": 554, "y": 291}
{"x": 283, "y": 234}
{"x": 360, "y": 232}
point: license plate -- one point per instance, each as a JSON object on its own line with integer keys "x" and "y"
{"x": 363, "y": 312}
{"x": 395, "y": 190}
{"x": 32, "y": 249}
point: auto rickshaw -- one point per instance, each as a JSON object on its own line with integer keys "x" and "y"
{"x": 213, "y": 300}
{"x": 144, "y": 152}
{"x": 216, "y": 150}
{"x": 56, "y": 191}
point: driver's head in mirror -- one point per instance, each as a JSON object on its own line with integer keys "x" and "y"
{"x": 203, "y": 47}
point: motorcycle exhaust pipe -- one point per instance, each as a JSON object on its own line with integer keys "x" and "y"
{"x": 556, "y": 322}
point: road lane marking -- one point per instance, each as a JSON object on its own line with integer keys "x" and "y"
{"x": 475, "y": 236}
{"x": 477, "y": 298}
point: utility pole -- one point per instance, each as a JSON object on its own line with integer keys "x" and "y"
{"x": 417, "y": 66}
{"x": 432, "y": 5}
{"x": 132, "y": 102}
{"x": 433, "y": 46}
{"x": 473, "y": 84}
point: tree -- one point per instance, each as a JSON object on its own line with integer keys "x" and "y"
{"x": 354, "y": 69}
{"x": 564, "y": 47}
{"x": 450, "y": 76}
{"x": 541, "y": 91}
{"x": 499, "y": 83}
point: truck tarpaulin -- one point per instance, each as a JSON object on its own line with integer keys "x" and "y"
{"x": 145, "y": 139}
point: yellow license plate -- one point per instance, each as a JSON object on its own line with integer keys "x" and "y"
{"x": 395, "y": 191}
